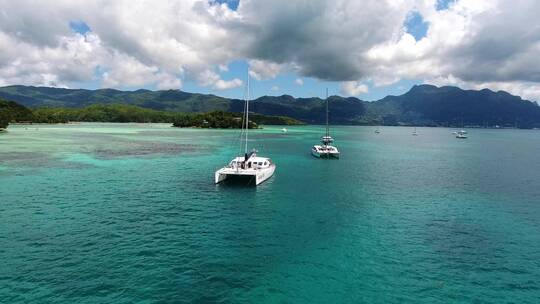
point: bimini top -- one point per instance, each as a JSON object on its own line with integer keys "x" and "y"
{"x": 327, "y": 140}
{"x": 250, "y": 161}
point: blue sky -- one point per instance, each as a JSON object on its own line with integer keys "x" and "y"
{"x": 285, "y": 83}
{"x": 198, "y": 46}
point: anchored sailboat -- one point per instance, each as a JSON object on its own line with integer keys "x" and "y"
{"x": 461, "y": 134}
{"x": 326, "y": 150}
{"x": 250, "y": 167}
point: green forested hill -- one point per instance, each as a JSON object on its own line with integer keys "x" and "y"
{"x": 12, "y": 111}
{"x": 422, "y": 105}
{"x": 453, "y": 106}
{"x": 171, "y": 100}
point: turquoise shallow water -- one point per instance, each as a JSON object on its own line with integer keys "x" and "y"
{"x": 128, "y": 213}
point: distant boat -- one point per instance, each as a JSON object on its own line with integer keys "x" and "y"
{"x": 461, "y": 134}
{"x": 249, "y": 167}
{"x": 326, "y": 150}
{"x": 377, "y": 131}
{"x": 414, "y": 133}
{"x": 284, "y": 130}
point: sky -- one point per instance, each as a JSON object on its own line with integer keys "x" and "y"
{"x": 362, "y": 48}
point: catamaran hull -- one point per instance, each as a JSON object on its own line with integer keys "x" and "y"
{"x": 324, "y": 154}
{"x": 250, "y": 176}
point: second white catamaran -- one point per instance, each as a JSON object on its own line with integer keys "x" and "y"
{"x": 248, "y": 167}
{"x": 326, "y": 150}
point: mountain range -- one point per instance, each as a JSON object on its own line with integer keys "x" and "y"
{"x": 422, "y": 105}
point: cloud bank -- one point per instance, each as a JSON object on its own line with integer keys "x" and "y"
{"x": 470, "y": 43}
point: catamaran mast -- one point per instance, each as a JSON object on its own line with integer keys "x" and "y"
{"x": 247, "y": 112}
{"x": 327, "y": 129}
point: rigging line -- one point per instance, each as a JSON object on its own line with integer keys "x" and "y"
{"x": 240, "y": 143}
{"x": 240, "y": 139}
{"x": 237, "y": 137}
{"x": 247, "y": 110}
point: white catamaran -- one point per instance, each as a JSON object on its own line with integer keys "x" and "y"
{"x": 249, "y": 167}
{"x": 326, "y": 150}
{"x": 461, "y": 134}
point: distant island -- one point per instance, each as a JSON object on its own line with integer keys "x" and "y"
{"x": 13, "y": 112}
{"x": 422, "y": 105}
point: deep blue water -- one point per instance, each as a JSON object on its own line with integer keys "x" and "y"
{"x": 106, "y": 213}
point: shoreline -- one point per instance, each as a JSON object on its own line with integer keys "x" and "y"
{"x": 281, "y": 125}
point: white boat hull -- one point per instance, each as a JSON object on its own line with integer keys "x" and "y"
{"x": 256, "y": 176}
{"x": 324, "y": 154}
{"x": 325, "y": 151}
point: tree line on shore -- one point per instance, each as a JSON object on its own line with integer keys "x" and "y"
{"x": 122, "y": 113}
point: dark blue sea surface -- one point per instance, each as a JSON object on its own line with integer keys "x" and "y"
{"x": 128, "y": 213}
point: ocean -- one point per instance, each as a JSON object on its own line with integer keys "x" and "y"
{"x": 129, "y": 213}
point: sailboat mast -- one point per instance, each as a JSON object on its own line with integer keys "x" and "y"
{"x": 327, "y": 129}
{"x": 247, "y": 112}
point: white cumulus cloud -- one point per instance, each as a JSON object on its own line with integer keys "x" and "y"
{"x": 353, "y": 88}
{"x": 164, "y": 43}
{"x": 210, "y": 78}
{"x": 261, "y": 70}
{"x": 228, "y": 84}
